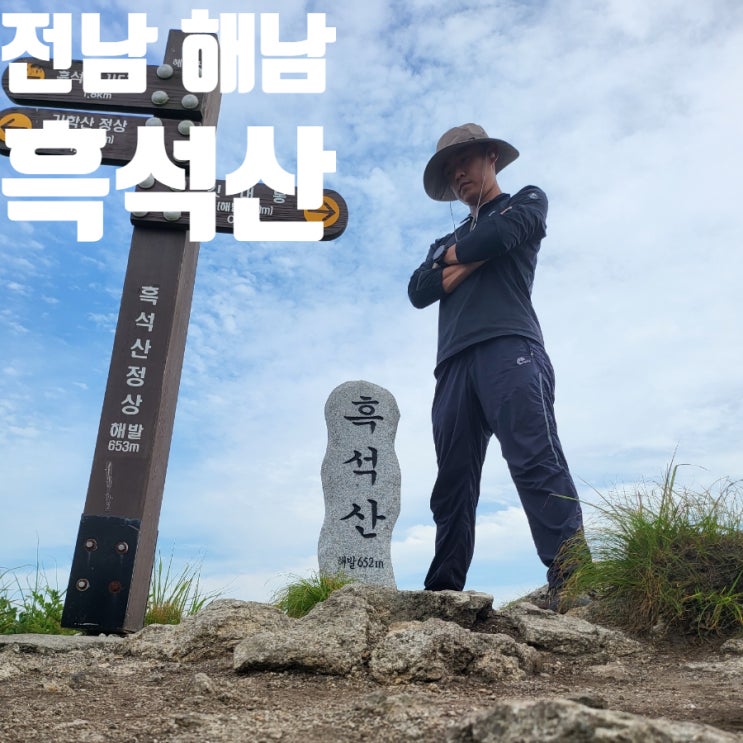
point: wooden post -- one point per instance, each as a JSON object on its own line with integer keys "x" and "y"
{"x": 115, "y": 548}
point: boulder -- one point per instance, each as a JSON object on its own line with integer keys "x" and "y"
{"x": 211, "y": 633}
{"x": 731, "y": 668}
{"x": 334, "y": 638}
{"x": 49, "y": 644}
{"x": 565, "y": 634}
{"x": 564, "y": 721}
{"x": 734, "y": 646}
{"x": 434, "y": 650}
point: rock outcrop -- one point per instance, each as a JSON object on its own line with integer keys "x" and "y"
{"x": 394, "y": 660}
{"x": 422, "y": 635}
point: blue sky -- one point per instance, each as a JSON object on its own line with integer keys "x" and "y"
{"x": 626, "y": 113}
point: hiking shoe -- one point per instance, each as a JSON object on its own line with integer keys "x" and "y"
{"x": 557, "y": 601}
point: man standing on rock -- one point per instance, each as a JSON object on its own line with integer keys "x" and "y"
{"x": 493, "y": 375}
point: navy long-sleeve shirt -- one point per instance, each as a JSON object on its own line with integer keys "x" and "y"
{"x": 495, "y": 300}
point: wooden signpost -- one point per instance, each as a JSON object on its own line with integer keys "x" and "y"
{"x": 115, "y": 548}
{"x": 274, "y": 208}
{"x": 121, "y": 131}
{"x": 165, "y": 78}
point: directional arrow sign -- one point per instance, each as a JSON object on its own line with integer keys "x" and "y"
{"x": 171, "y": 86}
{"x": 10, "y": 119}
{"x": 329, "y": 212}
{"x": 121, "y": 131}
{"x": 274, "y": 207}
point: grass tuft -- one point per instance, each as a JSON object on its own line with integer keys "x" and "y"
{"x": 174, "y": 596}
{"x": 298, "y": 597}
{"x": 668, "y": 556}
{"x": 38, "y": 607}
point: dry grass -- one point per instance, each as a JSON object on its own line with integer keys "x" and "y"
{"x": 668, "y": 555}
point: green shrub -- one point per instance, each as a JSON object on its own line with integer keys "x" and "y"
{"x": 35, "y": 609}
{"x": 41, "y": 612}
{"x": 667, "y": 555}
{"x": 297, "y": 598}
{"x": 8, "y": 614}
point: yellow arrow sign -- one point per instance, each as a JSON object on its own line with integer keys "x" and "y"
{"x": 34, "y": 71}
{"x": 13, "y": 121}
{"x": 328, "y": 213}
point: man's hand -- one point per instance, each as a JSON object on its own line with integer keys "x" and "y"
{"x": 450, "y": 256}
{"x": 455, "y": 272}
{"x": 453, "y": 276}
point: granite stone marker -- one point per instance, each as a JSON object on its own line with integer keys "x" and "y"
{"x": 361, "y": 483}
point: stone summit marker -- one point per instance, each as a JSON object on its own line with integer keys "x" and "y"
{"x": 361, "y": 483}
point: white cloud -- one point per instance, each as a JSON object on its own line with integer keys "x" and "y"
{"x": 626, "y": 113}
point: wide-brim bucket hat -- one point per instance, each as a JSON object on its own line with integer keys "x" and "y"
{"x": 435, "y": 182}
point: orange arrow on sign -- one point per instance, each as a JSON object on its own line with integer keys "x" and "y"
{"x": 328, "y": 213}
{"x": 13, "y": 121}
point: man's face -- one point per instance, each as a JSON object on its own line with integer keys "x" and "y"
{"x": 470, "y": 174}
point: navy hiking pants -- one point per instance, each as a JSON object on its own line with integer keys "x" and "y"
{"x": 503, "y": 386}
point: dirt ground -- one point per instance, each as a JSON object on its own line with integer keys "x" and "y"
{"x": 101, "y": 695}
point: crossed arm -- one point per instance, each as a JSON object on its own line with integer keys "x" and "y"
{"x": 496, "y": 234}
{"x": 431, "y": 282}
{"x": 455, "y": 272}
